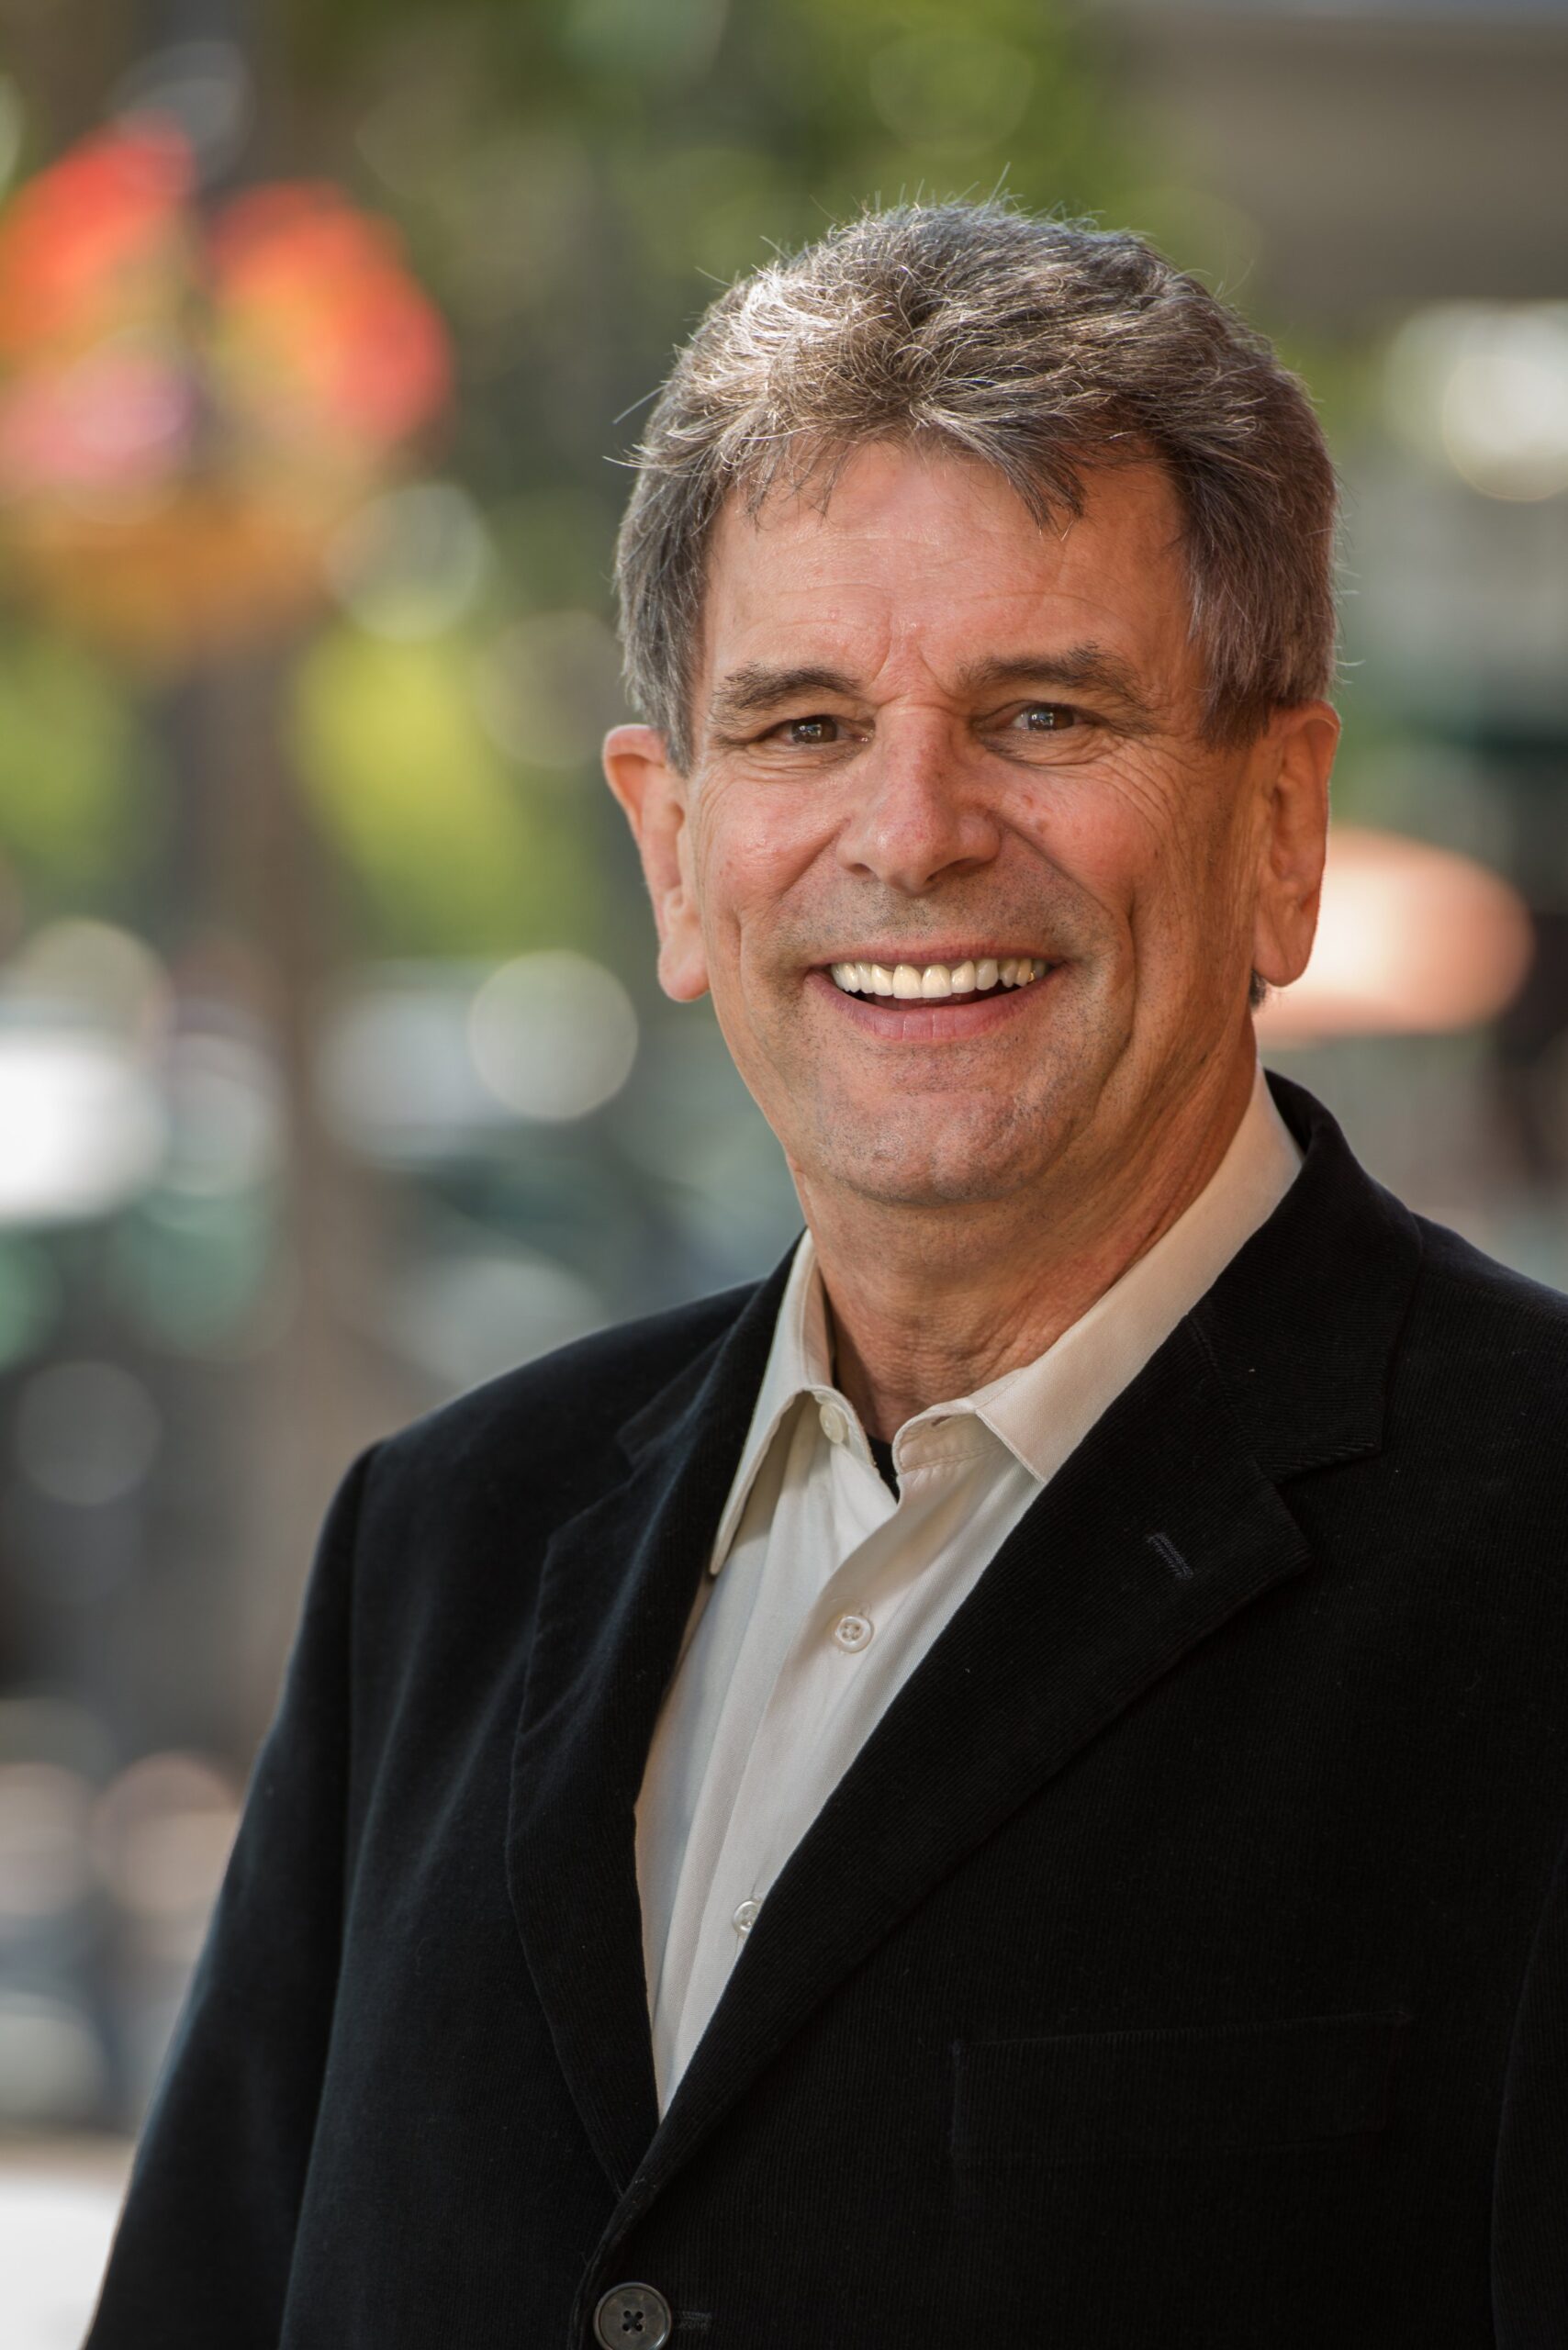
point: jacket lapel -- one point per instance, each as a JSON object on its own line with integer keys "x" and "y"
{"x": 1162, "y": 1524}
{"x": 1165, "y": 1522}
{"x": 1156, "y": 1530}
{"x": 616, "y": 1591}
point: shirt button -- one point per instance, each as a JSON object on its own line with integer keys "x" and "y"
{"x": 631, "y": 2313}
{"x": 852, "y": 1631}
{"x": 835, "y": 1427}
{"x": 744, "y": 1917}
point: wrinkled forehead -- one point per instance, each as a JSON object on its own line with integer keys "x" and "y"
{"x": 902, "y": 555}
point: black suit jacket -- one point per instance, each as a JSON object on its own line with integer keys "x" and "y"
{"x": 1182, "y": 1961}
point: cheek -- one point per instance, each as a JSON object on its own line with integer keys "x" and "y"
{"x": 1154, "y": 848}
{"x": 1107, "y": 837}
{"x": 749, "y": 857}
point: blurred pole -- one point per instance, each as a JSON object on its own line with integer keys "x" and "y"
{"x": 255, "y": 921}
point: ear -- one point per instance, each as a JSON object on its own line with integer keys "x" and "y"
{"x": 1296, "y": 754}
{"x": 654, "y": 800}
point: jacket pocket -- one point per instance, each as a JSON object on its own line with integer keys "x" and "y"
{"x": 1198, "y": 2089}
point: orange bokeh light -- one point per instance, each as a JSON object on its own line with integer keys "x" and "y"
{"x": 189, "y": 405}
{"x": 93, "y": 240}
{"x": 1411, "y": 940}
{"x": 322, "y": 325}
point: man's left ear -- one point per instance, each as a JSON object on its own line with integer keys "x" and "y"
{"x": 652, "y": 797}
{"x": 1298, "y": 756}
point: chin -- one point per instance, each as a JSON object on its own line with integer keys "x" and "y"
{"x": 955, "y": 1170}
{"x": 919, "y": 1189}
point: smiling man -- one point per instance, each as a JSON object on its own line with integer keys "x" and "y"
{"x": 1010, "y": 1782}
{"x": 948, "y": 757}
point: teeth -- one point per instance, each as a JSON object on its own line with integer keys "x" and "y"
{"x": 925, "y": 982}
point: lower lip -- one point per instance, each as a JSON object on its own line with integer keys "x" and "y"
{"x": 933, "y": 1020}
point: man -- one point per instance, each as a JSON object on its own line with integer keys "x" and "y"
{"x": 1010, "y": 1782}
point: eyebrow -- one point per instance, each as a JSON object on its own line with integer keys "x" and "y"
{"x": 757, "y": 687}
{"x": 754, "y": 687}
{"x": 1081, "y": 667}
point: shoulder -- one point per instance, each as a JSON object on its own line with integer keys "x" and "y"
{"x": 1478, "y": 1299}
{"x": 1483, "y": 1364}
{"x": 448, "y": 1517}
{"x": 571, "y": 1403}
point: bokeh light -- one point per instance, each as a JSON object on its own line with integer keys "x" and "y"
{"x": 554, "y": 1035}
{"x": 469, "y": 1315}
{"x": 86, "y": 1433}
{"x": 395, "y": 1076}
{"x": 83, "y": 1126}
{"x": 549, "y": 688}
{"x": 947, "y": 89}
{"x": 411, "y": 563}
{"x": 1411, "y": 940}
{"x": 418, "y": 1065}
{"x": 161, "y": 1834}
{"x": 226, "y": 1114}
{"x": 45, "y": 1868}
{"x": 1486, "y": 386}
{"x": 51, "y": 2068}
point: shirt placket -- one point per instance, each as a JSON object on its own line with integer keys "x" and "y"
{"x": 858, "y": 1602}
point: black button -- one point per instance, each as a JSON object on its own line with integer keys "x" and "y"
{"x": 632, "y": 2316}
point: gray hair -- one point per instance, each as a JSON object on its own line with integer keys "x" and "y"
{"x": 1039, "y": 346}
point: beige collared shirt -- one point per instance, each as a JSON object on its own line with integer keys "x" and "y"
{"x": 825, "y": 1590}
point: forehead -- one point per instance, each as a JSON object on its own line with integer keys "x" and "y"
{"x": 921, "y": 559}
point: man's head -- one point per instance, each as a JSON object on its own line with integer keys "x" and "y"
{"x": 975, "y": 586}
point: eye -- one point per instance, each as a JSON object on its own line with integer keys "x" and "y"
{"x": 1046, "y": 717}
{"x": 810, "y": 734}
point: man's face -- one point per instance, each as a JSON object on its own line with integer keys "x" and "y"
{"x": 933, "y": 738}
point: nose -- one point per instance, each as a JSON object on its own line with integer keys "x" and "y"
{"x": 917, "y": 818}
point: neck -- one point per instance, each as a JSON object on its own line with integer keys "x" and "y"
{"x": 931, "y": 1303}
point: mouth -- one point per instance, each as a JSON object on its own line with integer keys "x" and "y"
{"x": 932, "y": 1002}
{"x": 983, "y": 975}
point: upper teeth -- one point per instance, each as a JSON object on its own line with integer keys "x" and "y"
{"x": 938, "y": 979}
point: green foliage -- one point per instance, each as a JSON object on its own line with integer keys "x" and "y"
{"x": 574, "y": 181}
{"x": 77, "y": 801}
{"x": 452, "y": 854}
{"x": 577, "y": 179}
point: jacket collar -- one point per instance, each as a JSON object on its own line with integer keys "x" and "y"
{"x": 1164, "y": 1522}
{"x": 1305, "y": 1319}
{"x": 617, "y": 1586}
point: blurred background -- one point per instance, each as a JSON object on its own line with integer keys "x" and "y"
{"x": 332, "y": 1075}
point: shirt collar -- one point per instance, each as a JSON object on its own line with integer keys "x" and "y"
{"x": 1042, "y": 1410}
{"x": 800, "y": 1362}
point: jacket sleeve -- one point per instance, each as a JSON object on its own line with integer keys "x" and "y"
{"x": 1529, "y": 2205}
{"x": 202, "y": 2253}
